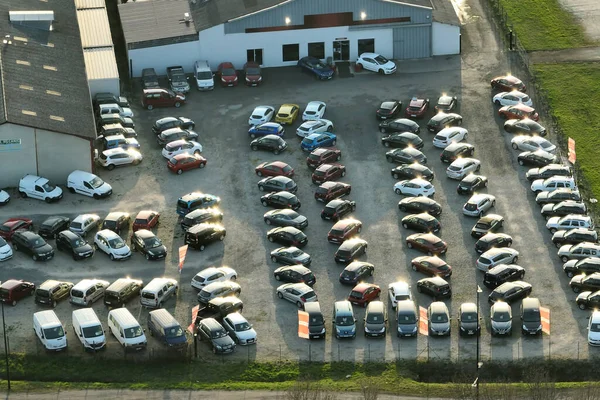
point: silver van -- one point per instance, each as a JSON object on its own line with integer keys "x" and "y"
{"x": 375, "y": 319}
{"x": 157, "y": 291}
{"x": 87, "y": 291}
{"x": 407, "y": 318}
{"x": 203, "y": 75}
{"x": 344, "y": 323}
{"x": 439, "y": 319}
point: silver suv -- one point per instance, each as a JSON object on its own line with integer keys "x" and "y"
{"x": 579, "y": 251}
{"x": 478, "y": 204}
{"x": 496, "y": 256}
{"x": 569, "y": 222}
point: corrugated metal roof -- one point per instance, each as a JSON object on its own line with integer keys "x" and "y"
{"x": 83, "y": 4}
{"x": 94, "y": 27}
{"x": 100, "y": 63}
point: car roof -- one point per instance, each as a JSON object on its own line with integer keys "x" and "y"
{"x": 438, "y": 307}
{"x": 343, "y": 223}
{"x": 226, "y": 64}
{"x": 297, "y": 267}
{"x": 211, "y": 323}
{"x": 112, "y": 152}
{"x": 81, "y": 217}
{"x": 145, "y": 214}
{"x": 236, "y": 318}
{"x": 108, "y": 234}
{"x": 461, "y": 162}
{"x": 361, "y": 287}
{"x": 450, "y": 129}
{"x": 356, "y": 265}
{"x": 468, "y": 308}
{"x": 479, "y": 197}
{"x": 435, "y": 279}
{"x": 501, "y": 306}
{"x": 445, "y": 99}
{"x": 263, "y": 108}
{"x": 497, "y": 250}
{"x": 372, "y": 55}
{"x": 144, "y": 234}
{"x": 303, "y": 287}
{"x": 11, "y": 284}
{"x": 288, "y": 107}
{"x": 399, "y": 287}
{"x": 198, "y": 228}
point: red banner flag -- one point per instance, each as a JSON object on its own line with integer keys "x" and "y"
{"x": 545, "y": 315}
{"x": 182, "y": 253}
{"x": 423, "y": 322}
{"x": 303, "y": 324}
{"x": 572, "y": 154}
{"x": 194, "y": 315}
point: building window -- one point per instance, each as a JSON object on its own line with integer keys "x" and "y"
{"x": 291, "y": 52}
{"x": 254, "y": 55}
{"x": 366, "y": 46}
{"x": 316, "y": 50}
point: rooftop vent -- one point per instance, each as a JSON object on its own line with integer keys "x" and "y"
{"x": 35, "y": 19}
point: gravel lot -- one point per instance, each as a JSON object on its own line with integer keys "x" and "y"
{"x": 221, "y": 119}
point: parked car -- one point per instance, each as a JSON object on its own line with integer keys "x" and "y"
{"x": 580, "y": 283}
{"x": 414, "y": 187}
{"x": 388, "y": 109}
{"x": 461, "y": 167}
{"x": 412, "y": 171}
{"x": 496, "y": 256}
{"x": 112, "y": 158}
{"x": 449, "y": 135}
{"x": 174, "y": 134}
{"x": 419, "y": 205}
{"x": 446, "y": 103}
{"x": 145, "y": 219}
{"x": 6, "y": 252}
{"x": 316, "y": 140}
{"x": 116, "y": 221}
{"x": 512, "y": 98}
{"x": 376, "y": 63}
{"x": 426, "y": 243}
{"x": 510, "y": 291}
{"x": 558, "y": 195}
{"x": 314, "y": 111}
{"x": 363, "y": 293}
{"x": 574, "y": 236}
{"x": 261, "y": 114}
{"x": 287, "y": 114}
{"x": 12, "y": 290}
{"x": 264, "y": 129}
{"x": 350, "y": 250}
{"x": 585, "y": 300}
{"x": 471, "y": 183}
{"x": 586, "y": 266}
{"x": 416, "y": 107}
{"x": 435, "y": 286}
{"x": 295, "y": 274}
{"x": 503, "y": 273}
{"x": 457, "y": 150}
{"x": 343, "y": 230}
{"x": 227, "y": 74}
{"x": 177, "y": 79}
{"x": 285, "y": 217}
{"x": 402, "y": 140}
{"x": 239, "y": 329}
{"x": 161, "y": 98}
{"x": 431, "y": 265}
{"x": 4, "y": 198}
{"x": 593, "y": 329}
{"x": 252, "y": 74}
{"x": 167, "y": 123}
{"x": 441, "y": 121}
{"x": 75, "y": 244}
{"x": 297, "y": 293}
{"x": 316, "y": 67}
{"x": 201, "y": 235}
{"x": 33, "y": 245}
{"x": 211, "y": 275}
{"x": 287, "y": 235}
{"x": 524, "y": 127}
{"x": 508, "y": 83}
{"x": 185, "y": 162}
{"x": 274, "y": 168}
{"x": 149, "y": 79}
{"x": 537, "y": 158}
{"x": 422, "y": 222}
{"x": 569, "y": 222}
{"x": 492, "y": 240}
{"x": 323, "y": 155}
{"x": 112, "y": 244}
{"x": 108, "y": 98}
{"x": 277, "y": 184}
{"x": 290, "y": 256}
{"x": 479, "y": 204}
{"x": 407, "y": 155}
{"x": 272, "y": 143}
{"x": 439, "y": 319}
{"x": 487, "y": 224}
{"x": 519, "y": 111}
{"x": 148, "y": 244}
{"x": 39, "y": 188}
{"x": 548, "y": 171}
{"x": 563, "y": 208}
{"x": 398, "y": 291}
{"x": 201, "y": 215}
{"x": 181, "y": 146}
{"x": 532, "y": 144}
{"x": 468, "y": 319}
{"x": 84, "y": 224}
{"x": 218, "y": 289}
{"x": 399, "y": 125}
{"x": 280, "y": 200}
{"x": 332, "y": 190}
{"x": 337, "y": 209}
{"x": 12, "y": 225}
{"x": 215, "y": 335}
{"x": 553, "y": 183}
{"x": 578, "y": 251}
{"x": 314, "y": 126}
{"x": 356, "y": 272}
{"x": 501, "y": 318}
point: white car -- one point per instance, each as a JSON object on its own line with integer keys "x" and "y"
{"x": 478, "y": 204}
{"x": 376, "y": 63}
{"x": 570, "y": 221}
{"x": 512, "y": 99}
{"x": 6, "y": 252}
{"x": 181, "y": 146}
{"x": 112, "y": 244}
{"x": 239, "y": 329}
{"x": 314, "y": 126}
{"x": 496, "y": 256}
{"x": 261, "y": 114}
{"x": 532, "y": 143}
{"x": 314, "y": 110}
{"x": 553, "y": 183}
{"x": 452, "y": 134}
{"x": 39, "y": 188}
{"x": 399, "y": 291}
{"x": 4, "y": 198}
{"x": 213, "y": 274}
{"x": 414, "y": 187}
{"x": 109, "y": 159}
{"x": 84, "y": 223}
{"x": 593, "y": 329}
{"x": 462, "y": 167}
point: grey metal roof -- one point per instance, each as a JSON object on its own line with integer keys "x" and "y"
{"x": 153, "y": 20}
{"x": 43, "y": 72}
{"x": 94, "y": 27}
{"x": 87, "y": 4}
{"x": 101, "y": 63}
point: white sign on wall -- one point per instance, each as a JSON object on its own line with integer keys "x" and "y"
{"x": 10, "y": 145}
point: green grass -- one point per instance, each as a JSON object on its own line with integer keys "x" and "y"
{"x": 544, "y": 25}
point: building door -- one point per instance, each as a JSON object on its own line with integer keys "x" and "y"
{"x": 254, "y": 55}
{"x": 341, "y": 50}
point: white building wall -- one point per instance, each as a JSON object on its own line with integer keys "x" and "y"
{"x": 445, "y": 38}
{"x": 104, "y": 85}
{"x": 161, "y": 57}
{"x": 16, "y": 160}
{"x": 58, "y": 155}
{"x": 217, "y": 47}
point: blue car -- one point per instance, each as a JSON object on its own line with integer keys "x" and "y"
{"x": 316, "y": 67}
{"x": 316, "y": 140}
{"x": 268, "y": 128}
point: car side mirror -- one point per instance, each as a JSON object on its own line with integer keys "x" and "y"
{"x": 187, "y": 78}
{"x": 121, "y": 333}
{"x": 80, "y": 335}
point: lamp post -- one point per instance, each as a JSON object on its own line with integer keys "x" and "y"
{"x": 195, "y": 345}
{"x": 478, "y": 333}
{"x": 5, "y": 349}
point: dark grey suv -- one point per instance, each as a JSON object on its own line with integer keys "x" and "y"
{"x": 213, "y": 333}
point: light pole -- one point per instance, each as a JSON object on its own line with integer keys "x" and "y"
{"x": 5, "y": 348}
{"x": 478, "y": 333}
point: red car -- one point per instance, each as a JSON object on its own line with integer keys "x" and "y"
{"x": 328, "y": 172}
{"x": 13, "y": 290}
{"x": 432, "y": 265}
{"x": 363, "y": 293}
{"x": 344, "y": 229}
{"x": 417, "y": 108}
{"x": 427, "y": 243}
{"x": 11, "y": 225}
{"x": 252, "y": 74}
{"x": 184, "y": 162}
{"x": 146, "y": 219}
{"x": 227, "y": 74}
{"x": 332, "y": 190}
{"x": 323, "y": 155}
{"x": 508, "y": 83}
{"x": 161, "y": 98}
{"x": 274, "y": 168}
{"x": 519, "y": 111}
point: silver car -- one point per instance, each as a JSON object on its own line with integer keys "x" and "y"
{"x": 84, "y": 223}
{"x": 462, "y": 167}
{"x": 478, "y": 204}
{"x": 578, "y": 251}
{"x": 439, "y": 319}
{"x": 497, "y": 256}
{"x": 501, "y": 318}
{"x": 297, "y": 293}
{"x": 218, "y": 289}
{"x": 239, "y": 329}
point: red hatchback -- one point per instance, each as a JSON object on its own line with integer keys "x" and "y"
{"x": 252, "y": 74}
{"x": 274, "y": 168}
{"x": 323, "y": 155}
{"x": 184, "y": 162}
{"x": 508, "y": 83}
{"x": 227, "y": 74}
{"x": 432, "y": 265}
{"x": 332, "y": 190}
{"x": 146, "y": 219}
{"x": 344, "y": 229}
{"x": 417, "y": 108}
{"x": 11, "y": 225}
{"x": 363, "y": 293}
{"x": 519, "y": 111}
{"x": 426, "y": 243}
{"x": 328, "y": 172}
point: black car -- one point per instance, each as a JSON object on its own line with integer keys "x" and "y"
{"x": 213, "y": 333}
{"x": 201, "y": 216}
{"x": 407, "y": 155}
{"x": 491, "y": 240}
{"x": 503, "y": 273}
{"x": 422, "y": 222}
{"x": 52, "y": 225}
{"x": 350, "y": 249}
{"x": 337, "y": 209}
{"x": 419, "y": 205}
{"x": 574, "y": 236}
{"x": 510, "y": 291}
{"x": 74, "y": 244}
{"x": 558, "y": 195}
{"x": 149, "y": 79}
{"x": 173, "y": 134}
{"x": 280, "y": 200}
{"x": 32, "y": 244}
{"x": 442, "y": 120}
{"x": 486, "y": 224}
{"x": 446, "y": 103}
{"x": 198, "y": 236}
{"x": 148, "y": 244}
{"x": 163, "y": 124}
{"x": 285, "y": 217}
{"x": 585, "y": 266}
{"x": 455, "y": 150}
{"x": 356, "y": 272}
{"x": 277, "y": 184}
{"x": 580, "y": 283}
{"x": 563, "y": 208}
{"x": 295, "y": 274}
{"x": 269, "y": 143}
{"x": 548, "y": 171}
{"x": 116, "y": 221}
{"x": 537, "y": 158}
{"x": 436, "y": 287}
{"x": 399, "y": 125}
{"x": 388, "y": 109}
{"x": 471, "y": 183}
{"x": 402, "y": 140}
{"x": 287, "y": 235}
{"x": 524, "y": 127}
{"x": 411, "y": 171}
{"x": 290, "y": 256}
{"x": 589, "y": 300}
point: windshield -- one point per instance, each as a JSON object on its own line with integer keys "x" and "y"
{"x": 344, "y": 321}
{"x": 297, "y": 253}
{"x": 373, "y": 318}
{"x": 78, "y": 242}
{"x": 546, "y": 145}
{"x": 356, "y": 294}
{"x": 134, "y": 332}
{"x": 407, "y": 318}
{"x": 531, "y": 315}
{"x": 244, "y": 326}
{"x": 468, "y": 317}
{"x": 153, "y": 242}
{"x": 76, "y": 293}
{"x": 96, "y": 182}
{"x": 481, "y": 225}
{"x": 48, "y": 187}
{"x": 501, "y": 316}
{"x": 93, "y": 331}
{"x": 54, "y": 333}
{"x": 252, "y": 71}
{"x": 116, "y": 243}
{"x": 219, "y": 333}
{"x": 38, "y": 242}
{"x": 228, "y": 72}
{"x": 595, "y": 327}
{"x": 470, "y": 206}
{"x": 348, "y": 274}
{"x": 42, "y": 293}
{"x": 174, "y": 332}
{"x": 381, "y": 60}
{"x": 287, "y": 168}
{"x": 204, "y": 75}
{"x": 335, "y": 232}
{"x": 319, "y": 173}
{"x": 439, "y": 318}
{"x": 76, "y": 225}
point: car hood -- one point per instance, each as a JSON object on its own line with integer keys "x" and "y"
{"x": 245, "y": 335}
{"x": 565, "y": 250}
{"x": 469, "y": 326}
{"x": 570, "y": 264}
{"x": 43, "y": 249}
{"x": 104, "y": 188}
{"x": 86, "y": 248}
{"x": 407, "y": 328}
{"x": 583, "y": 296}
{"x": 3, "y": 196}
{"x": 547, "y": 208}
{"x": 504, "y": 325}
{"x": 122, "y": 251}
{"x": 552, "y": 221}
{"x": 224, "y": 341}
{"x": 374, "y": 327}
{"x": 593, "y": 335}
{"x": 6, "y": 249}
{"x": 577, "y": 279}
{"x": 162, "y": 249}
{"x": 300, "y": 219}
{"x": 316, "y": 328}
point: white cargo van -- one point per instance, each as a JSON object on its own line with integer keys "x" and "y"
{"x": 203, "y": 75}
{"x": 49, "y": 330}
{"x": 88, "y": 329}
{"x": 157, "y": 291}
{"x": 88, "y": 184}
{"x": 126, "y": 329}
{"x": 39, "y": 188}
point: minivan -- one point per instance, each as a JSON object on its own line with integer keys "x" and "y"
{"x": 121, "y": 291}
{"x": 468, "y": 319}
{"x": 204, "y": 76}
{"x": 531, "y": 319}
{"x": 407, "y": 318}
{"x": 161, "y": 98}
{"x": 439, "y": 319}
{"x": 157, "y": 291}
{"x": 195, "y": 200}
{"x": 316, "y": 322}
{"x": 87, "y": 291}
{"x": 375, "y": 319}
{"x": 88, "y": 184}
{"x": 88, "y": 329}
{"x": 126, "y": 329}
{"x": 49, "y": 330}
{"x": 343, "y": 320}
{"x": 198, "y": 236}
{"x": 51, "y": 292}
{"x": 165, "y": 328}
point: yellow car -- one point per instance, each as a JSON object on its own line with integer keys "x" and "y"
{"x": 287, "y": 114}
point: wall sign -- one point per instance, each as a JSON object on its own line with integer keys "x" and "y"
{"x": 10, "y": 145}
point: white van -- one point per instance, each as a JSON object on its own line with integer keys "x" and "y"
{"x": 88, "y": 184}
{"x": 126, "y": 329}
{"x": 49, "y": 330}
{"x": 157, "y": 291}
{"x": 203, "y": 75}
{"x": 39, "y": 188}
{"x": 88, "y": 329}
{"x": 88, "y": 291}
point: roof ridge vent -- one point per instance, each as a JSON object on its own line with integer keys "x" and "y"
{"x": 37, "y": 19}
